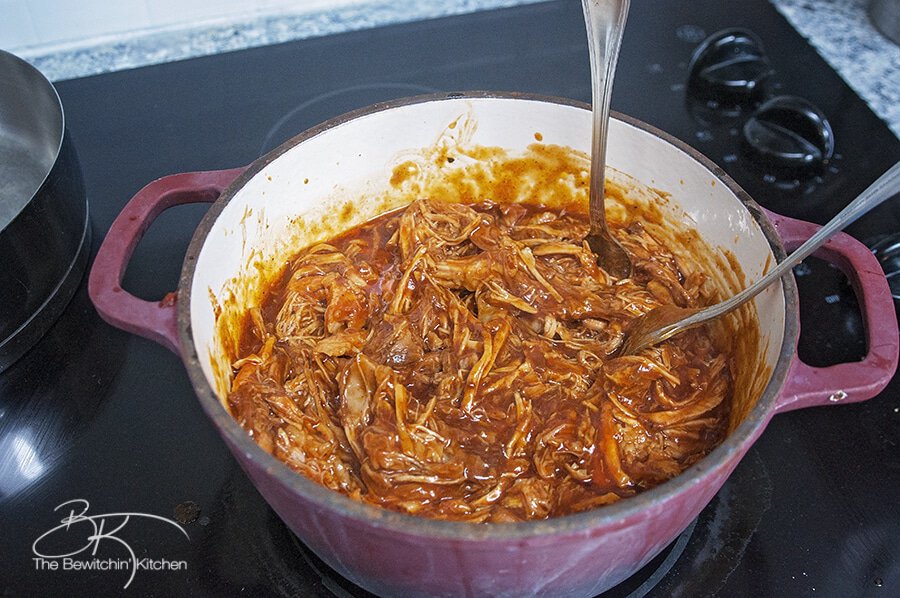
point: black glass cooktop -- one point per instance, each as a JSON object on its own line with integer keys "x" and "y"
{"x": 95, "y": 414}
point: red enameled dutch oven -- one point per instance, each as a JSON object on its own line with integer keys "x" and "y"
{"x": 255, "y": 216}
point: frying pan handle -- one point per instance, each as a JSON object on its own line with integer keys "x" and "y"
{"x": 155, "y": 320}
{"x": 807, "y": 386}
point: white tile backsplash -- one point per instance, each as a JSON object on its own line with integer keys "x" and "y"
{"x": 268, "y": 5}
{"x": 33, "y": 24}
{"x": 186, "y": 12}
{"x": 16, "y": 28}
{"x": 65, "y": 21}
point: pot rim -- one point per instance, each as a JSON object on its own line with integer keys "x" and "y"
{"x": 616, "y": 515}
{"x": 42, "y": 80}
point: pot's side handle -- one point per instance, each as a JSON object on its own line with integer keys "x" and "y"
{"x": 155, "y": 320}
{"x": 807, "y": 386}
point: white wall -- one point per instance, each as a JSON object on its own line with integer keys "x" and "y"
{"x": 61, "y": 24}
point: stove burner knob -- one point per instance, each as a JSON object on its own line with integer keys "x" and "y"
{"x": 789, "y": 132}
{"x": 887, "y": 249}
{"x": 730, "y": 65}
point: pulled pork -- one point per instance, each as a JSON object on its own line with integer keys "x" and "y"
{"x": 458, "y": 362}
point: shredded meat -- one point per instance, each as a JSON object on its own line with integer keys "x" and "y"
{"x": 458, "y": 362}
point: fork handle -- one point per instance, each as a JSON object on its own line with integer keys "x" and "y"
{"x": 885, "y": 187}
{"x": 605, "y": 22}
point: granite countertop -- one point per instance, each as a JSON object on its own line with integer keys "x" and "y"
{"x": 839, "y": 29}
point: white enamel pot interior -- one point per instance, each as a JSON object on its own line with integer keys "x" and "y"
{"x": 307, "y": 183}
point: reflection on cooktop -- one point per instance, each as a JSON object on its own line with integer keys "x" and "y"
{"x": 327, "y": 105}
{"x": 54, "y": 392}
